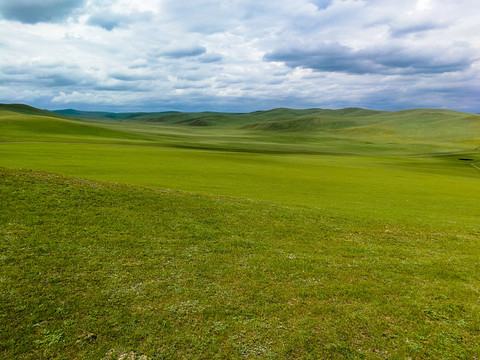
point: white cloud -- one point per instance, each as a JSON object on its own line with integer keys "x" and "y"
{"x": 423, "y": 5}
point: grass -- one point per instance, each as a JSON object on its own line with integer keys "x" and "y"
{"x": 21, "y": 127}
{"x": 177, "y": 275}
{"x": 163, "y": 240}
{"x": 436, "y": 192}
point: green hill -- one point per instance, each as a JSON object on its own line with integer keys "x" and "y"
{"x": 25, "y": 123}
{"x": 99, "y": 115}
{"x": 27, "y": 110}
{"x": 437, "y": 127}
{"x": 349, "y": 130}
{"x": 418, "y": 120}
{"x": 304, "y": 123}
{"x": 421, "y": 125}
{"x": 167, "y": 117}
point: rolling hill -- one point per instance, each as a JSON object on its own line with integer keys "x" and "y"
{"x": 24, "y": 123}
{"x": 27, "y": 110}
{"x": 444, "y": 130}
{"x": 349, "y": 130}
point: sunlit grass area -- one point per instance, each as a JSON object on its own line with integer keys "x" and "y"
{"x": 435, "y": 191}
{"x": 89, "y": 267}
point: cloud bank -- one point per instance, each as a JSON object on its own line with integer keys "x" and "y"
{"x": 32, "y": 11}
{"x": 385, "y": 60}
{"x": 240, "y": 55}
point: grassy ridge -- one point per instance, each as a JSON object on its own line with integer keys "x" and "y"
{"x": 27, "y": 110}
{"x": 29, "y": 124}
{"x": 90, "y": 269}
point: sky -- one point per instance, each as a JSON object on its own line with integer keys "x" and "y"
{"x": 240, "y": 55}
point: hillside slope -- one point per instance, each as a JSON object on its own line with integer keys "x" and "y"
{"x": 24, "y": 123}
{"x": 408, "y": 126}
{"x": 28, "y": 110}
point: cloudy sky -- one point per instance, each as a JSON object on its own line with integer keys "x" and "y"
{"x": 240, "y": 55}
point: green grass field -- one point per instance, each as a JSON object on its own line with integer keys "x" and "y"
{"x": 283, "y": 234}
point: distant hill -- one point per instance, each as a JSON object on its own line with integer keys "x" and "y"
{"x": 166, "y": 117}
{"x": 108, "y": 115}
{"x": 208, "y": 118}
{"x": 312, "y": 119}
{"x": 20, "y": 122}
{"x": 398, "y": 130}
{"x": 28, "y": 110}
{"x": 418, "y": 125}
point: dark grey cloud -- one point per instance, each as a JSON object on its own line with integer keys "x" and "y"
{"x": 387, "y": 60}
{"x": 47, "y": 75}
{"x": 11, "y": 70}
{"x": 329, "y": 57}
{"x": 120, "y": 86}
{"x": 210, "y": 58}
{"x": 35, "y": 11}
{"x": 401, "y": 30}
{"x": 412, "y": 61}
{"x": 61, "y": 80}
{"x": 107, "y": 21}
{"x": 110, "y": 20}
{"x": 125, "y": 76}
{"x": 182, "y": 52}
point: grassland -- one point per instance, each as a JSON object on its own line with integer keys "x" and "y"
{"x": 282, "y": 234}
